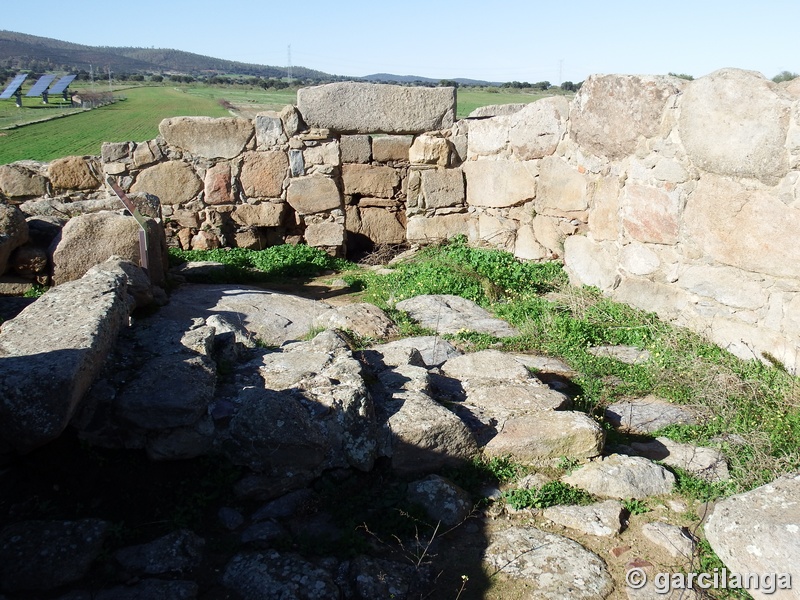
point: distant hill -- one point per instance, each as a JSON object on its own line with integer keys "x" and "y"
{"x": 20, "y": 51}
{"x": 390, "y": 78}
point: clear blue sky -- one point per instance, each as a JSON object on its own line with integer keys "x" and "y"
{"x": 530, "y": 40}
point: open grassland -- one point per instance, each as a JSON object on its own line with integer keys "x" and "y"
{"x": 136, "y": 118}
{"x": 471, "y": 98}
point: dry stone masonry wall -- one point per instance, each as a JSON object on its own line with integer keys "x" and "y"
{"x": 674, "y": 196}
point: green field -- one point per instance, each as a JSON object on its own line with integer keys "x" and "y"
{"x": 471, "y": 98}
{"x": 136, "y": 118}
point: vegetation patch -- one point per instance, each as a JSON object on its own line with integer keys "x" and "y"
{"x": 751, "y": 409}
{"x": 243, "y": 265}
{"x": 553, "y": 493}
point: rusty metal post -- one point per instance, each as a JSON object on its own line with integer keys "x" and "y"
{"x": 144, "y": 249}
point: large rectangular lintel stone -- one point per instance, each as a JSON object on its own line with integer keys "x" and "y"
{"x": 349, "y": 107}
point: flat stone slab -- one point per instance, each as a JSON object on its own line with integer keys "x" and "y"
{"x": 433, "y": 350}
{"x": 487, "y": 364}
{"x": 366, "y": 320}
{"x": 377, "y": 108}
{"x": 547, "y": 436}
{"x": 622, "y": 477}
{"x": 602, "y": 519}
{"x": 175, "y": 552}
{"x": 452, "y": 314}
{"x": 271, "y": 317}
{"x": 630, "y": 355}
{"x": 759, "y": 531}
{"x": 53, "y": 350}
{"x": 708, "y": 463}
{"x": 44, "y": 555}
{"x": 648, "y": 414}
{"x": 671, "y": 538}
{"x": 552, "y": 566}
{"x": 546, "y": 364}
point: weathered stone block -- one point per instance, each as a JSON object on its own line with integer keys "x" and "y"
{"x": 325, "y": 234}
{"x": 313, "y": 194}
{"x": 561, "y": 187}
{"x": 146, "y": 154}
{"x": 639, "y": 259}
{"x": 263, "y": 174}
{"x": 499, "y": 184}
{"x": 527, "y": 247}
{"x": 735, "y": 123}
{"x": 432, "y": 229}
{"x": 13, "y": 232}
{"x": 269, "y": 131}
{"x": 18, "y": 182}
{"x": 174, "y": 182}
{"x": 368, "y": 108}
{"x": 263, "y": 214}
{"x": 756, "y": 532}
{"x": 430, "y": 150}
{"x": 743, "y": 226}
{"x": 442, "y": 187}
{"x": 323, "y": 154}
{"x": 76, "y": 323}
{"x": 391, "y": 147}
{"x": 497, "y": 231}
{"x": 73, "y": 173}
{"x": 548, "y": 435}
{"x": 115, "y": 151}
{"x": 367, "y": 180}
{"x": 604, "y": 213}
{"x": 612, "y": 112}
{"x": 726, "y": 285}
{"x": 589, "y": 262}
{"x": 90, "y": 239}
{"x": 217, "y": 186}
{"x": 251, "y": 238}
{"x": 291, "y": 120}
{"x": 208, "y": 137}
{"x": 355, "y": 148}
{"x": 380, "y": 226}
{"x": 529, "y": 133}
{"x": 650, "y": 214}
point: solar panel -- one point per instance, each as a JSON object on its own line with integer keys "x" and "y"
{"x": 62, "y": 84}
{"x": 40, "y": 86}
{"x": 13, "y": 86}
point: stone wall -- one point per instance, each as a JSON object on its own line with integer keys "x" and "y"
{"x": 678, "y": 197}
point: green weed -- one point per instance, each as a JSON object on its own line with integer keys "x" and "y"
{"x": 37, "y": 291}
{"x": 552, "y": 493}
{"x": 636, "y": 507}
{"x": 277, "y": 262}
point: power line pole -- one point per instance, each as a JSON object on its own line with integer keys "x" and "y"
{"x": 289, "y": 64}
{"x": 560, "y": 71}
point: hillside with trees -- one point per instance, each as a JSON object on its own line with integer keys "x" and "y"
{"x": 23, "y": 52}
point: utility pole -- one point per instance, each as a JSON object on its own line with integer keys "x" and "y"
{"x": 289, "y": 64}
{"x": 560, "y": 71}
{"x": 108, "y": 68}
{"x": 91, "y": 76}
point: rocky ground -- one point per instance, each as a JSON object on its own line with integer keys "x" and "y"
{"x": 216, "y": 456}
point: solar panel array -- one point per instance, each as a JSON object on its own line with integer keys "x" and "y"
{"x": 13, "y": 86}
{"x": 40, "y": 86}
{"x": 62, "y": 84}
